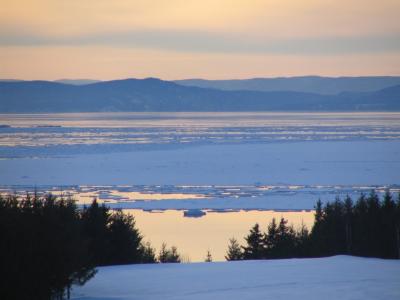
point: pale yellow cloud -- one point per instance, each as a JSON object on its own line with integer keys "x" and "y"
{"x": 313, "y": 18}
{"x": 269, "y": 18}
{"x": 72, "y": 17}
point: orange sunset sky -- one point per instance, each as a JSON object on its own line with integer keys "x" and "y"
{"x": 215, "y": 39}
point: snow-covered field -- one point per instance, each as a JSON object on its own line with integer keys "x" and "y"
{"x": 338, "y": 277}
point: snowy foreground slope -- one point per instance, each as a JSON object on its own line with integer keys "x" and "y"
{"x": 338, "y": 277}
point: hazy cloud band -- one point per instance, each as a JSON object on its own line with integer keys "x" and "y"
{"x": 206, "y": 42}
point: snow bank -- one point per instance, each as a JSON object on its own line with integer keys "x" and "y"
{"x": 339, "y": 277}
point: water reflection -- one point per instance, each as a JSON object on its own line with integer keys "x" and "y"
{"x": 194, "y": 236}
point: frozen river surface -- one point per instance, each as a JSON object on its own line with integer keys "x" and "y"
{"x": 300, "y": 155}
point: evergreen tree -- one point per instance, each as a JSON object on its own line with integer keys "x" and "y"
{"x": 366, "y": 228}
{"x": 168, "y": 255}
{"x": 208, "y": 257}
{"x": 96, "y": 221}
{"x": 337, "y": 227}
{"x": 374, "y": 219}
{"x": 318, "y": 212}
{"x": 254, "y": 248}
{"x": 285, "y": 245}
{"x": 163, "y": 254}
{"x": 174, "y": 256}
{"x": 397, "y": 226}
{"x": 47, "y": 244}
{"x": 388, "y": 226}
{"x": 42, "y": 249}
{"x": 318, "y": 238}
{"x": 360, "y": 233}
{"x": 124, "y": 240}
{"x": 302, "y": 239}
{"x": 270, "y": 240}
{"x": 234, "y": 250}
{"x": 348, "y": 210}
{"x": 148, "y": 253}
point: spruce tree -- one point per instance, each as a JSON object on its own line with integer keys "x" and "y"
{"x": 124, "y": 240}
{"x": 318, "y": 238}
{"x": 318, "y": 212}
{"x": 169, "y": 255}
{"x": 397, "y": 226}
{"x": 374, "y": 219}
{"x": 43, "y": 251}
{"x": 388, "y": 226}
{"x": 208, "y": 257}
{"x": 234, "y": 250}
{"x": 174, "y": 256}
{"x": 285, "y": 245}
{"x": 302, "y": 238}
{"x": 270, "y": 240}
{"x": 148, "y": 253}
{"x": 361, "y": 231}
{"x": 254, "y": 248}
{"x": 96, "y": 221}
{"x": 348, "y": 210}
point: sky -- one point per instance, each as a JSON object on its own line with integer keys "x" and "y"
{"x": 213, "y": 39}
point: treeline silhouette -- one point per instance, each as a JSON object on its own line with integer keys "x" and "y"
{"x": 47, "y": 244}
{"x": 369, "y": 227}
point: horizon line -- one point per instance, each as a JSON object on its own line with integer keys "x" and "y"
{"x": 203, "y": 78}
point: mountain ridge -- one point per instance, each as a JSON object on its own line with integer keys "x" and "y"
{"x": 314, "y": 84}
{"x": 152, "y": 94}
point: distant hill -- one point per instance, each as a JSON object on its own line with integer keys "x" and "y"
{"x": 307, "y": 84}
{"x": 77, "y": 81}
{"x": 10, "y": 80}
{"x": 156, "y": 95}
{"x": 66, "y": 81}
